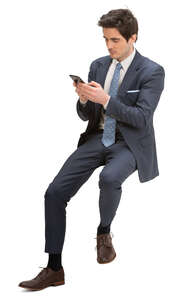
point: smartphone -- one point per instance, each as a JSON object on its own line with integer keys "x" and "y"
{"x": 76, "y": 78}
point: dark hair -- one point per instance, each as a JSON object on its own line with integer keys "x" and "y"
{"x": 123, "y": 20}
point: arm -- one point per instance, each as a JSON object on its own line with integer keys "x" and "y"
{"x": 85, "y": 110}
{"x": 140, "y": 114}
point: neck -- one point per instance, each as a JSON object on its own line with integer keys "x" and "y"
{"x": 122, "y": 58}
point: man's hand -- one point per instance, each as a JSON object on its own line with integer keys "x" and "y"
{"x": 77, "y": 90}
{"x": 93, "y": 91}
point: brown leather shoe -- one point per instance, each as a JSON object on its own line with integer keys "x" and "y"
{"x": 45, "y": 278}
{"x": 105, "y": 251}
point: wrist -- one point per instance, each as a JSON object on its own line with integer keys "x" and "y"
{"x": 83, "y": 101}
{"x": 106, "y": 101}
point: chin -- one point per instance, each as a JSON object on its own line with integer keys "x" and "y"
{"x": 114, "y": 55}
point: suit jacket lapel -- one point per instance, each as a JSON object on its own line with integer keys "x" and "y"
{"x": 103, "y": 69}
{"x": 104, "y": 65}
{"x": 130, "y": 75}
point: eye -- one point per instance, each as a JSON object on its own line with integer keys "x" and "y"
{"x": 115, "y": 41}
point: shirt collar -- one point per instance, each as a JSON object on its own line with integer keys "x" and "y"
{"x": 127, "y": 61}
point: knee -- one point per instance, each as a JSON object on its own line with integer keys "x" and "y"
{"x": 50, "y": 192}
{"x": 53, "y": 199}
{"x": 53, "y": 193}
{"x": 108, "y": 179}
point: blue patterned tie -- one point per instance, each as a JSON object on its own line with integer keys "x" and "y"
{"x": 108, "y": 137}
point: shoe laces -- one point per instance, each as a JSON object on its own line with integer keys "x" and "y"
{"x": 44, "y": 271}
{"x": 112, "y": 235}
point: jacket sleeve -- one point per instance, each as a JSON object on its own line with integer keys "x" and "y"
{"x": 85, "y": 111}
{"x": 140, "y": 115}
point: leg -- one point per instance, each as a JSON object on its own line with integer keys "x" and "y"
{"x": 73, "y": 174}
{"x": 120, "y": 163}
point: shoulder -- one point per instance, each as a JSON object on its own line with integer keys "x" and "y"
{"x": 150, "y": 65}
{"x": 100, "y": 60}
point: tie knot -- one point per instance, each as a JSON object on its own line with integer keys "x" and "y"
{"x": 119, "y": 66}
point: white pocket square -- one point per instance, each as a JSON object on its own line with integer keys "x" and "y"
{"x": 132, "y": 91}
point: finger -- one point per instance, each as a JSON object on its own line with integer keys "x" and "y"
{"x": 80, "y": 84}
{"x": 86, "y": 94}
{"x": 77, "y": 91}
{"x": 94, "y": 83}
{"x": 87, "y": 88}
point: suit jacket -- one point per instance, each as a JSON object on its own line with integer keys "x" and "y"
{"x": 133, "y": 108}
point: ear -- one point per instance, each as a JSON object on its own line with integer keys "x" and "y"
{"x": 133, "y": 37}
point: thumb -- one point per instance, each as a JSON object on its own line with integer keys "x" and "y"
{"x": 94, "y": 83}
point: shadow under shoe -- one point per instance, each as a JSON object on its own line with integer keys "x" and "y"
{"x": 105, "y": 250}
{"x": 46, "y": 277}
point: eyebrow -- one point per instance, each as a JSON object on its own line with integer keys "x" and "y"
{"x": 112, "y": 38}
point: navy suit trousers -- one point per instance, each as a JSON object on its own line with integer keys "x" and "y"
{"x": 118, "y": 162}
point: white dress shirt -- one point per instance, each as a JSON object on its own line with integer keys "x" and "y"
{"x": 125, "y": 65}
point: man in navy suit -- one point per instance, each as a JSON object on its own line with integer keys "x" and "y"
{"x": 118, "y": 102}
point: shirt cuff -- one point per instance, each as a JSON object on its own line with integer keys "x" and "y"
{"x": 106, "y": 104}
{"x": 83, "y": 102}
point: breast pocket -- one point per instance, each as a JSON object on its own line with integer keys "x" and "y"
{"x": 130, "y": 96}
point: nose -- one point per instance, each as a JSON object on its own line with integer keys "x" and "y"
{"x": 109, "y": 44}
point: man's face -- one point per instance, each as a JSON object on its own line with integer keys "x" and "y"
{"x": 117, "y": 45}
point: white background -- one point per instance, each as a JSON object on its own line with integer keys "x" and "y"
{"x": 42, "y": 42}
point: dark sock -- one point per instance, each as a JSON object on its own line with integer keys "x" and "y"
{"x": 101, "y": 229}
{"x": 54, "y": 261}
